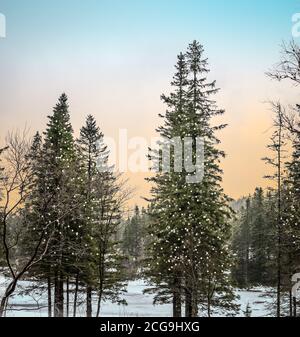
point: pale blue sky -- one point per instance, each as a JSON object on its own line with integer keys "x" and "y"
{"x": 115, "y": 57}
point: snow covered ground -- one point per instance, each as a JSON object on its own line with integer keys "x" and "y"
{"x": 25, "y": 304}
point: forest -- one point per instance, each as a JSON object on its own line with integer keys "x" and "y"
{"x": 65, "y": 233}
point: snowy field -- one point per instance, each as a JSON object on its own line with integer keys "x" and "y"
{"x": 34, "y": 304}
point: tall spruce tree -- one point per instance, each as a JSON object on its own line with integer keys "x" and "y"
{"x": 54, "y": 200}
{"x": 102, "y": 262}
{"x": 291, "y": 221}
{"x": 165, "y": 247}
{"x": 92, "y": 152}
{"x": 190, "y": 222}
{"x": 276, "y": 161}
{"x": 78, "y": 199}
{"x": 294, "y": 199}
{"x": 288, "y": 69}
{"x": 109, "y": 258}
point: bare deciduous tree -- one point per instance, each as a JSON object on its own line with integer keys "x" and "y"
{"x": 289, "y": 66}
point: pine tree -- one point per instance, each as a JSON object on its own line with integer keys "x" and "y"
{"x": 190, "y": 226}
{"x": 132, "y": 241}
{"x": 55, "y": 195}
{"x": 59, "y": 145}
{"x": 291, "y": 221}
{"x": 102, "y": 262}
{"x": 109, "y": 257}
{"x": 253, "y": 241}
{"x": 262, "y": 238}
{"x": 277, "y": 163}
{"x": 241, "y": 243}
{"x": 248, "y": 311}
{"x": 165, "y": 249}
{"x": 77, "y": 199}
{"x": 92, "y": 151}
{"x": 259, "y": 239}
{"x": 270, "y": 227}
{"x": 294, "y": 199}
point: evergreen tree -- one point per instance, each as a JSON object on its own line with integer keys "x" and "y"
{"x": 253, "y": 241}
{"x": 270, "y": 227}
{"x": 190, "y": 227}
{"x": 241, "y": 246}
{"x": 287, "y": 222}
{"x": 277, "y": 163}
{"x": 259, "y": 239}
{"x": 294, "y": 201}
{"x": 92, "y": 151}
{"x": 134, "y": 239}
{"x": 102, "y": 262}
{"x": 248, "y": 311}
{"x": 54, "y": 198}
{"x": 133, "y": 236}
{"x": 291, "y": 221}
{"x": 165, "y": 246}
{"x": 77, "y": 199}
{"x": 109, "y": 257}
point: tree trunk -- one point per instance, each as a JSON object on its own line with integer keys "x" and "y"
{"x": 291, "y": 303}
{"x": 8, "y": 292}
{"x": 3, "y": 305}
{"x": 99, "y": 303}
{"x": 101, "y": 279}
{"x": 88, "y": 302}
{"x": 194, "y": 304}
{"x": 76, "y": 294}
{"x": 208, "y": 306}
{"x": 49, "y": 297}
{"x": 290, "y": 262}
{"x": 188, "y": 302}
{"x": 56, "y": 294}
{"x": 59, "y": 295}
{"x": 176, "y": 305}
{"x": 68, "y": 296}
{"x": 177, "y": 298}
{"x": 279, "y": 229}
{"x": 100, "y": 293}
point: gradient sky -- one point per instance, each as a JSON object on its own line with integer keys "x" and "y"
{"x": 115, "y": 57}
